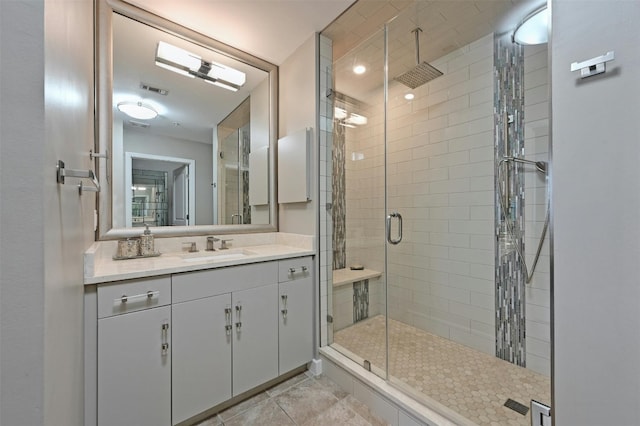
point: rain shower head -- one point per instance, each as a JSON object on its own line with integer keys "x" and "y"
{"x": 541, "y": 166}
{"x": 420, "y": 74}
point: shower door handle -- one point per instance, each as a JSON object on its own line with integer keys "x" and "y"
{"x": 397, "y": 240}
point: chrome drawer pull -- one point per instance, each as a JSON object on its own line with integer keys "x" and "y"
{"x": 303, "y": 269}
{"x": 148, "y": 295}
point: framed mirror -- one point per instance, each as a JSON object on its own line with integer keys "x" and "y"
{"x": 186, "y": 126}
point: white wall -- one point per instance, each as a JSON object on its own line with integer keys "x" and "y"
{"x": 297, "y": 110}
{"x": 22, "y": 135}
{"x": 596, "y": 210}
{"x": 145, "y": 143}
{"x": 45, "y": 226}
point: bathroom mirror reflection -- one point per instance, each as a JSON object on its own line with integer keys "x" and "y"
{"x": 199, "y": 113}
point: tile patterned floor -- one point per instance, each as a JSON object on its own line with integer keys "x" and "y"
{"x": 474, "y": 384}
{"x": 302, "y": 400}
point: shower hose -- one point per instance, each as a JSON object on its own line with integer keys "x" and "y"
{"x": 511, "y": 230}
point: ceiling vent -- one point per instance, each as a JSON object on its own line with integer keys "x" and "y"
{"x": 139, "y": 124}
{"x": 157, "y": 90}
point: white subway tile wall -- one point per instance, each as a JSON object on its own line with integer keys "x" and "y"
{"x": 536, "y": 148}
{"x": 440, "y": 178}
{"x": 440, "y": 171}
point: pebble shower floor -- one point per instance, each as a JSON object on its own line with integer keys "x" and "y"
{"x": 474, "y": 384}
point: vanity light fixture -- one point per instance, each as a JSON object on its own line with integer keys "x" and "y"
{"x": 186, "y": 63}
{"x": 339, "y": 113}
{"x": 357, "y": 119}
{"x": 533, "y": 29}
{"x": 137, "y": 110}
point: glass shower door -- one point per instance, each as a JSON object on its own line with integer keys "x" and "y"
{"x": 233, "y": 168}
{"x": 357, "y": 295}
{"x": 450, "y": 115}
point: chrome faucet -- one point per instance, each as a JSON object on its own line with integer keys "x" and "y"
{"x": 223, "y": 244}
{"x": 190, "y": 246}
{"x": 210, "y": 243}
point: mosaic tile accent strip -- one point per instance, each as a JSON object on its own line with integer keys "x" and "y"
{"x": 472, "y": 383}
{"x": 246, "y": 148}
{"x": 360, "y": 300}
{"x": 509, "y": 214}
{"x": 339, "y": 199}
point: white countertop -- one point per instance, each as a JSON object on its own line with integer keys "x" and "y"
{"x": 99, "y": 266}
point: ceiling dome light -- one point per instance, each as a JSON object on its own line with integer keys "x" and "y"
{"x": 137, "y": 110}
{"x": 409, "y": 96}
{"x": 533, "y": 29}
{"x": 359, "y": 69}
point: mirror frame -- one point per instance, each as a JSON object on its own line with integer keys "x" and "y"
{"x": 103, "y": 64}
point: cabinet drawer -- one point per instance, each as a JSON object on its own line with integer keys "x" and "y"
{"x": 196, "y": 285}
{"x": 294, "y": 269}
{"x": 133, "y": 295}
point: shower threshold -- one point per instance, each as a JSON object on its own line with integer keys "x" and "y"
{"x": 464, "y": 385}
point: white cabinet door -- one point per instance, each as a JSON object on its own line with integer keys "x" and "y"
{"x": 295, "y": 324}
{"x": 255, "y": 337}
{"x": 134, "y": 369}
{"x": 201, "y": 355}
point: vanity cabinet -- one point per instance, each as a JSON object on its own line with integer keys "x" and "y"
{"x": 255, "y": 337}
{"x": 225, "y": 335}
{"x": 201, "y": 352}
{"x": 295, "y": 325}
{"x": 134, "y": 354}
{"x": 173, "y": 347}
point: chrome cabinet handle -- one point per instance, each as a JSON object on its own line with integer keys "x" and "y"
{"x": 397, "y": 240}
{"x": 238, "y": 318}
{"x": 148, "y": 295}
{"x": 303, "y": 269}
{"x": 227, "y": 319}
{"x": 284, "y": 311}
{"x": 164, "y": 348}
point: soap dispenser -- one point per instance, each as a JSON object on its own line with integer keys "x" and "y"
{"x": 146, "y": 242}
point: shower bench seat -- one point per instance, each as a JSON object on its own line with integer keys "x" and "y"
{"x": 347, "y": 276}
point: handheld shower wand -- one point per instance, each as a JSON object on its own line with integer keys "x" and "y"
{"x": 541, "y": 166}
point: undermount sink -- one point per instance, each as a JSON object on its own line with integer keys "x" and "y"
{"x": 217, "y": 255}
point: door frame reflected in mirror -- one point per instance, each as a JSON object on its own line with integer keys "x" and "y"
{"x": 106, "y": 167}
{"x": 129, "y": 167}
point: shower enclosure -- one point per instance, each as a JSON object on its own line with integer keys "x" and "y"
{"x": 436, "y": 194}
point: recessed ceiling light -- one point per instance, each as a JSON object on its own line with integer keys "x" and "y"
{"x": 409, "y": 96}
{"x": 359, "y": 69}
{"x": 137, "y": 110}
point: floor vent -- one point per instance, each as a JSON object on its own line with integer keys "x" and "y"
{"x": 516, "y": 406}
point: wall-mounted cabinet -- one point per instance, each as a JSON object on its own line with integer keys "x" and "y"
{"x": 294, "y": 167}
